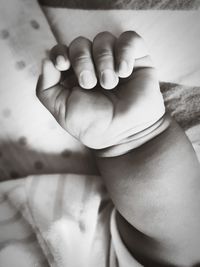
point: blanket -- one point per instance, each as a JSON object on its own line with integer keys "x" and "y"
{"x": 39, "y": 213}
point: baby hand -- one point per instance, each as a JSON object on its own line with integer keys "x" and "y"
{"x": 76, "y": 82}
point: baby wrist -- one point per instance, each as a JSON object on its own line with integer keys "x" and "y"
{"x": 136, "y": 140}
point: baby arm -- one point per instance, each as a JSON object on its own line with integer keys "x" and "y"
{"x": 147, "y": 163}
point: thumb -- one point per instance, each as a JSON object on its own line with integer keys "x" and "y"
{"x": 50, "y": 92}
{"x": 50, "y": 76}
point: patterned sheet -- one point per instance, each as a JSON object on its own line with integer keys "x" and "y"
{"x": 31, "y": 142}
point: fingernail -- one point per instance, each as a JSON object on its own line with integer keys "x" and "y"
{"x": 61, "y": 63}
{"x": 87, "y": 79}
{"x": 109, "y": 79}
{"x": 124, "y": 69}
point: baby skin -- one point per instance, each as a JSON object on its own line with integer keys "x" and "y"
{"x": 106, "y": 94}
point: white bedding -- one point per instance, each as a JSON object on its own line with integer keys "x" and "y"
{"x": 55, "y": 220}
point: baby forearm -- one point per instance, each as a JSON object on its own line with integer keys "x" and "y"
{"x": 156, "y": 188}
{"x": 154, "y": 183}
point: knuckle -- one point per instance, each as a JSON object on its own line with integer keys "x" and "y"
{"x": 104, "y": 54}
{"x": 124, "y": 49}
{"x": 81, "y": 58}
{"x": 80, "y": 50}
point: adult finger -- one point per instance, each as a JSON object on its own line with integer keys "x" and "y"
{"x": 60, "y": 58}
{"x": 103, "y": 54}
{"x": 81, "y": 58}
{"x": 129, "y": 48}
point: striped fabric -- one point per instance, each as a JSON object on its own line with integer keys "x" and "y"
{"x": 124, "y": 4}
{"x": 18, "y": 241}
{"x": 54, "y": 220}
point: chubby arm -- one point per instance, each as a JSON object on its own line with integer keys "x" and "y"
{"x": 106, "y": 94}
{"x": 156, "y": 190}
